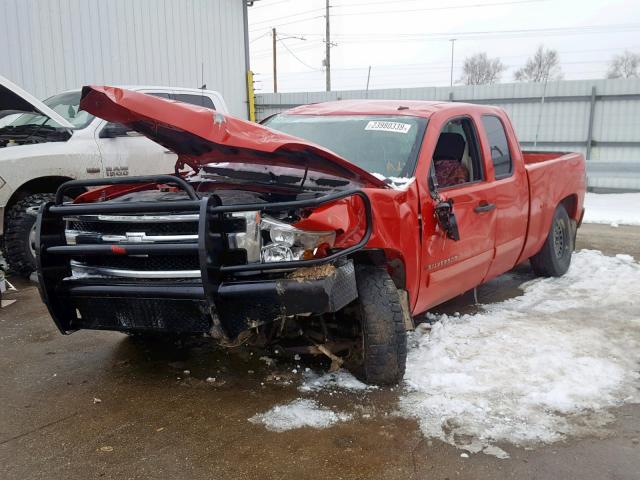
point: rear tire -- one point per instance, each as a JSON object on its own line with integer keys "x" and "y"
{"x": 19, "y": 236}
{"x": 554, "y": 257}
{"x": 384, "y": 340}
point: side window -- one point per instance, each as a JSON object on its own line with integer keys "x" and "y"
{"x": 200, "y": 100}
{"x": 500, "y": 155}
{"x": 456, "y": 159}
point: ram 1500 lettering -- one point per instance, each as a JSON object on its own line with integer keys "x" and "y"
{"x": 326, "y": 230}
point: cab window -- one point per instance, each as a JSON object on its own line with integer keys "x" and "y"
{"x": 499, "y": 146}
{"x": 456, "y": 159}
{"x": 200, "y": 100}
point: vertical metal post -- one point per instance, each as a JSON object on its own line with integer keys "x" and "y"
{"x": 544, "y": 94}
{"x": 327, "y": 58}
{"x": 453, "y": 41}
{"x": 247, "y": 59}
{"x": 275, "y": 61}
{"x": 592, "y": 113}
{"x": 251, "y": 96}
{"x": 368, "y": 78}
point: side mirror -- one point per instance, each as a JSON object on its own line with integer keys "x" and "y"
{"x": 447, "y": 219}
{"x": 114, "y": 130}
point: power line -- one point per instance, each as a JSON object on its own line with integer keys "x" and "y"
{"x": 591, "y": 29}
{"x": 365, "y": 12}
{"x": 419, "y": 37}
{"x": 302, "y": 20}
{"x": 452, "y": 7}
{"x": 287, "y": 16}
{"x": 259, "y": 37}
{"x": 385, "y": 2}
{"x": 296, "y": 57}
{"x": 311, "y": 45}
{"x": 268, "y": 4}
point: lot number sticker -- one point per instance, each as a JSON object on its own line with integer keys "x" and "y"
{"x": 388, "y": 126}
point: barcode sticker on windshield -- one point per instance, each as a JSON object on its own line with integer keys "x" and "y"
{"x": 388, "y": 126}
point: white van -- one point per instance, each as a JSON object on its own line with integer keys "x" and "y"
{"x": 44, "y": 144}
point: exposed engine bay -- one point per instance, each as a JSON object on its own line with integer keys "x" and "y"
{"x": 31, "y": 134}
{"x": 260, "y": 238}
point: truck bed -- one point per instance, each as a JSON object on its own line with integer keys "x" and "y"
{"x": 554, "y": 178}
{"x": 531, "y": 157}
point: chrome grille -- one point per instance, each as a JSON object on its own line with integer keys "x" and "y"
{"x": 149, "y": 229}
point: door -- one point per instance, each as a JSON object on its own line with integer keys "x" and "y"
{"x": 511, "y": 196}
{"x": 457, "y": 173}
{"x": 128, "y": 153}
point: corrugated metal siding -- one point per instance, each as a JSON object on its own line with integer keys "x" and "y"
{"x": 564, "y": 117}
{"x": 56, "y": 45}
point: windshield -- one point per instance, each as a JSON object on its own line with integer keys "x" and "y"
{"x": 380, "y": 144}
{"x": 65, "y": 104}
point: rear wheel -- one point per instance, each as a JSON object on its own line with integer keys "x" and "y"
{"x": 20, "y": 234}
{"x": 554, "y": 258}
{"x": 384, "y": 340}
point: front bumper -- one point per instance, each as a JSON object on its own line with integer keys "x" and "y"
{"x": 184, "y": 308}
{"x": 223, "y": 291}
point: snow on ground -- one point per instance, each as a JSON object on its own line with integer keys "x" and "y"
{"x": 532, "y": 369}
{"x": 297, "y": 414}
{"x": 340, "y": 379}
{"x": 613, "y": 209}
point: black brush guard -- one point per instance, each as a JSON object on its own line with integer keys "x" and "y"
{"x": 222, "y": 292}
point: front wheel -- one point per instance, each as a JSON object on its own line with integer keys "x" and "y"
{"x": 20, "y": 234}
{"x": 384, "y": 340}
{"x": 554, "y": 257}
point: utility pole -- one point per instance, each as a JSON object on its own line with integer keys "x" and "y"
{"x": 453, "y": 40}
{"x": 327, "y": 59}
{"x": 275, "y": 62}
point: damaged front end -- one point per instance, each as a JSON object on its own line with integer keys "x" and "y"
{"x": 170, "y": 260}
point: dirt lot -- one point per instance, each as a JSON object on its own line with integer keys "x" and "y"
{"x": 98, "y": 405}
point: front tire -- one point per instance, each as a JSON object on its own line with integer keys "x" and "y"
{"x": 19, "y": 236}
{"x": 384, "y": 340}
{"x": 554, "y": 258}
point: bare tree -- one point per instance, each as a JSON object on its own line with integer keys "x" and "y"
{"x": 625, "y": 65}
{"x": 543, "y": 66}
{"x": 479, "y": 69}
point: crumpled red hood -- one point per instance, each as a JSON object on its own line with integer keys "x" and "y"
{"x": 200, "y": 135}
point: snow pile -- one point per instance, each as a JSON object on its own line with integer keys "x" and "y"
{"x": 612, "y": 209}
{"x": 297, "y": 414}
{"x": 340, "y": 379}
{"x": 535, "y": 368}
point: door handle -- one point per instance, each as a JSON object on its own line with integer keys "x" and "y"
{"x": 484, "y": 207}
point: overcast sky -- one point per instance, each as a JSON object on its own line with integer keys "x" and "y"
{"x": 406, "y": 42}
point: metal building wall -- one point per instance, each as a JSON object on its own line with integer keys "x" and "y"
{"x": 601, "y": 113}
{"x": 55, "y": 45}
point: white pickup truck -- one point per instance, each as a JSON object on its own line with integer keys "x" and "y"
{"x": 44, "y": 144}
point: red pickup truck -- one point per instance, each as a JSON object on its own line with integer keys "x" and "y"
{"x": 325, "y": 230}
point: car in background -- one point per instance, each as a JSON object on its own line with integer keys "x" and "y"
{"x": 46, "y": 143}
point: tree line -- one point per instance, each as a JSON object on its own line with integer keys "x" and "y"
{"x": 542, "y": 66}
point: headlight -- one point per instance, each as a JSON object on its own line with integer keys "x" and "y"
{"x": 290, "y": 243}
